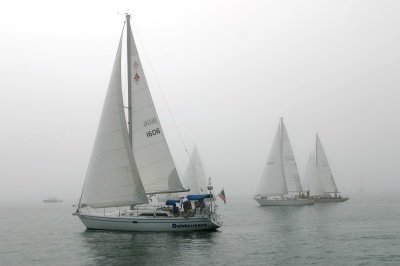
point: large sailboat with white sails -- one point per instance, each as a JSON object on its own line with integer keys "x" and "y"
{"x": 319, "y": 179}
{"x": 131, "y": 162}
{"x": 280, "y": 182}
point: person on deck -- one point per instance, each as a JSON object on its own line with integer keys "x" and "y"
{"x": 175, "y": 210}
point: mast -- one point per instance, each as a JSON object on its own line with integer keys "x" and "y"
{"x": 128, "y": 53}
{"x": 281, "y": 150}
{"x": 316, "y": 149}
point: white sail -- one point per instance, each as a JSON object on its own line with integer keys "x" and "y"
{"x": 112, "y": 178}
{"x": 312, "y": 180}
{"x": 289, "y": 163}
{"x": 195, "y": 177}
{"x": 153, "y": 158}
{"x": 273, "y": 182}
{"x": 323, "y": 169}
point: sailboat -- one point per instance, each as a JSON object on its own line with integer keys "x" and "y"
{"x": 131, "y": 162}
{"x": 280, "y": 182}
{"x": 319, "y": 178}
{"x": 195, "y": 177}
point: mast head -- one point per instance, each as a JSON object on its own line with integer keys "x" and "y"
{"x": 126, "y": 13}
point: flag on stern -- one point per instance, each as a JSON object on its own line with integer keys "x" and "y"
{"x": 222, "y": 195}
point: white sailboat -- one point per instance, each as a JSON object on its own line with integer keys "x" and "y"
{"x": 319, "y": 178}
{"x": 280, "y": 182}
{"x": 195, "y": 177}
{"x": 131, "y": 162}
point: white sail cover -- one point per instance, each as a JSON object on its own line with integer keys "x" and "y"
{"x": 195, "y": 177}
{"x": 289, "y": 163}
{"x": 311, "y": 178}
{"x": 273, "y": 182}
{"x": 323, "y": 169}
{"x": 112, "y": 178}
{"x": 153, "y": 158}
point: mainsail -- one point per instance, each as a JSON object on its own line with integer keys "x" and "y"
{"x": 323, "y": 170}
{"x": 273, "y": 182}
{"x": 112, "y": 178}
{"x": 153, "y": 158}
{"x": 312, "y": 180}
{"x": 195, "y": 177}
{"x": 289, "y": 163}
{"x": 280, "y": 174}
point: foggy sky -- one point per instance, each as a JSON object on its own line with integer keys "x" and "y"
{"x": 229, "y": 70}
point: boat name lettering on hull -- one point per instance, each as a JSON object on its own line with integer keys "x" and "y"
{"x": 188, "y": 225}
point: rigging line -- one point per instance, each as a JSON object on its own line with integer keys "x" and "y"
{"x": 162, "y": 92}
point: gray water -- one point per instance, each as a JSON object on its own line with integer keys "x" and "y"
{"x": 362, "y": 231}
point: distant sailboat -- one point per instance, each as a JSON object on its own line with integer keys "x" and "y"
{"x": 195, "y": 177}
{"x": 52, "y": 200}
{"x": 319, "y": 178}
{"x": 280, "y": 183}
{"x": 131, "y": 162}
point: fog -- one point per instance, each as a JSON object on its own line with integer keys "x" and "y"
{"x": 228, "y": 69}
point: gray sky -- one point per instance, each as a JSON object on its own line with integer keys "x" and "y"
{"x": 229, "y": 70}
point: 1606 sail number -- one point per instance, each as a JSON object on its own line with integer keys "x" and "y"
{"x": 153, "y": 132}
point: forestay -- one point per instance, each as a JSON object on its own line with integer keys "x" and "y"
{"x": 112, "y": 178}
{"x": 153, "y": 158}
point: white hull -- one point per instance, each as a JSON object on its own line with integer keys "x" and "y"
{"x": 147, "y": 224}
{"x": 323, "y": 200}
{"x": 284, "y": 202}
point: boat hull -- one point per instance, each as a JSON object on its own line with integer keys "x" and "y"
{"x": 284, "y": 202}
{"x": 149, "y": 224}
{"x": 326, "y": 200}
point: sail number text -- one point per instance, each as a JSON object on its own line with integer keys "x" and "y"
{"x": 153, "y": 132}
{"x": 150, "y": 121}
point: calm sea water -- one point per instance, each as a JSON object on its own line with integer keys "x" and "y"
{"x": 362, "y": 231}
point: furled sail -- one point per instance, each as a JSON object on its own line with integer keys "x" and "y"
{"x": 112, "y": 178}
{"x": 273, "y": 182}
{"x": 153, "y": 158}
{"x": 195, "y": 177}
{"x": 323, "y": 169}
{"x": 289, "y": 163}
